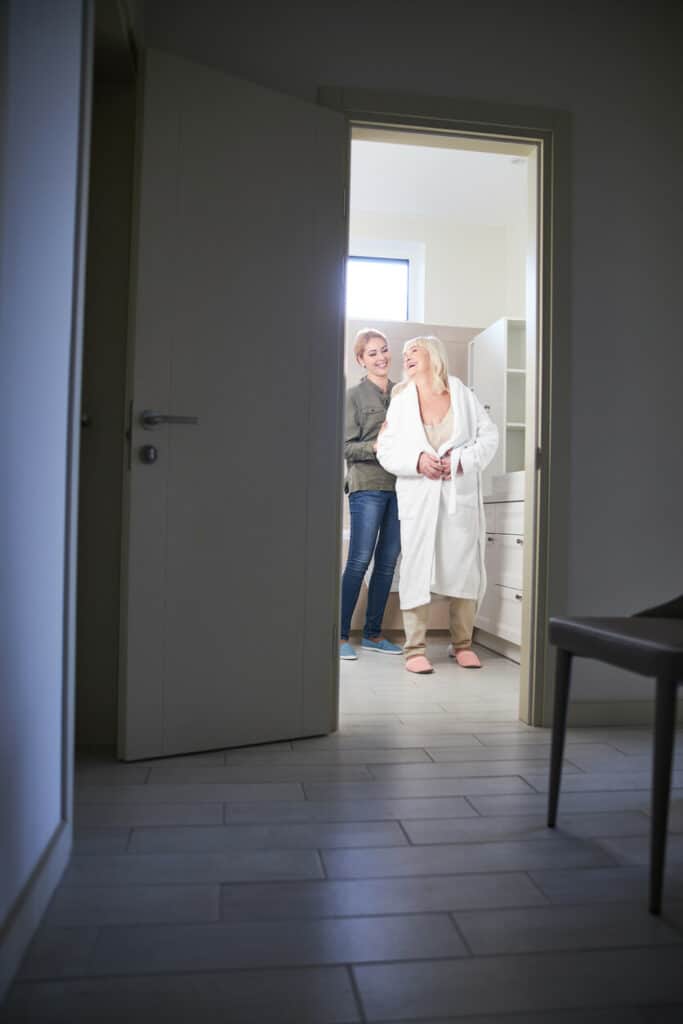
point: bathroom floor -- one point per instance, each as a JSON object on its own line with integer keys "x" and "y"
{"x": 398, "y": 870}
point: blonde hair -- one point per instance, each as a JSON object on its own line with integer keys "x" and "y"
{"x": 438, "y": 359}
{"x": 363, "y": 339}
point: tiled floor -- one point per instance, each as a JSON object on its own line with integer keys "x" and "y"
{"x": 397, "y": 870}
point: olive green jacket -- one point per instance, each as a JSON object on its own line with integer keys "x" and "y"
{"x": 366, "y": 410}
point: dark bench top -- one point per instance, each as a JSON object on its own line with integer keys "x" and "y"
{"x": 651, "y": 647}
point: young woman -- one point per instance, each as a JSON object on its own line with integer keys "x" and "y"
{"x": 372, "y": 498}
{"x": 436, "y": 441}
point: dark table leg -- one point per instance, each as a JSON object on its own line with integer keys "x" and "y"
{"x": 665, "y": 724}
{"x": 562, "y": 680}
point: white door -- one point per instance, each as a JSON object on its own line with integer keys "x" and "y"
{"x": 231, "y": 553}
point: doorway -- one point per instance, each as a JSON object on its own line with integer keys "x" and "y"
{"x": 443, "y": 241}
{"x": 323, "y": 554}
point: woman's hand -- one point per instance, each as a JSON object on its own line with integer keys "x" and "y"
{"x": 430, "y": 466}
{"x": 446, "y": 461}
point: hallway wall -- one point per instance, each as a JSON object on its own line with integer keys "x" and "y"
{"x": 41, "y": 96}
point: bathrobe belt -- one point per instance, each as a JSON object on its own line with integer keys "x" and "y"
{"x": 452, "y": 493}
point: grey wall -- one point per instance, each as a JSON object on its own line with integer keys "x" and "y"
{"x": 616, "y": 68}
{"x": 102, "y": 441}
{"x": 41, "y": 103}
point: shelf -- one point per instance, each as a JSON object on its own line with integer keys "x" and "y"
{"x": 515, "y": 392}
{"x": 514, "y": 369}
{"x": 515, "y": 426}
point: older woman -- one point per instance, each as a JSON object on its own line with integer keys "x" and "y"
{"x": 436, "y": 441}
{"x": 372, "y": 498}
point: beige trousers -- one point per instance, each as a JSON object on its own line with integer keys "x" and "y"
{"x": 461, "y": 617}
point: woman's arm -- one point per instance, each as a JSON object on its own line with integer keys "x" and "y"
{"x": 394, "y": 452}
{"x": 476, "y": 455}
{"x": 356, "y": 450}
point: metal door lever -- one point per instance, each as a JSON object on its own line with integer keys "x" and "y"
{"x": 155, "y": 419}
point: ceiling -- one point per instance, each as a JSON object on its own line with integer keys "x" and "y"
{"x": 467, "y": 186}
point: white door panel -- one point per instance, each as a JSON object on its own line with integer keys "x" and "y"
{"x": 232, "y": 570}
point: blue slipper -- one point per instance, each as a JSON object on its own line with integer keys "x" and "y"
{"x": 346, "y": 652}
{"x": 381, "y": 646}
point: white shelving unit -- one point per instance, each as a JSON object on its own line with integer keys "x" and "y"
{"x": 497, "y": 375}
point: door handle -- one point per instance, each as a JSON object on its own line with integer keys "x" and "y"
{"x": 151, "y": 419}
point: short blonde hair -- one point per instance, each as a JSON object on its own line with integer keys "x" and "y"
{"x": 363, "y": 338}
{"x": 438, "y": 359}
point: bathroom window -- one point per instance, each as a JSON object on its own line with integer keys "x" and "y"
{"x": 377, "y": 288}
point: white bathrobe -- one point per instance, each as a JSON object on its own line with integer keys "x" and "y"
{"x": 442, "y": 521}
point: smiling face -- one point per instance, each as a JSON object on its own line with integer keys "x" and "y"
{"x": 416, "y": 361}
{"x": 375, "y": 357}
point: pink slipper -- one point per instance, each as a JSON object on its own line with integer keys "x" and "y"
{"x": 466, "y": 658}
{"x": 418, "y": 663}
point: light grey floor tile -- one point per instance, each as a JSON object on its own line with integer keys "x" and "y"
{"x": 109, "y": 775}
{"x": 366, "y": 719}
{"x": 208, "y": 793}
{"x": 444, "y": 723}
{"x": 396, "y": 738}
{"x": 636, "y": 849}
{"x": 608, "y": 734}
{"x": 673, "y": 909}
{"x": 293, "y": 900}
{"x": 637, "y": 741}
{"x": 465, "y": 857}
{"x": 401, "y": 788}
{"x": 570, "y": 803}
{"x": 605, "y": 885}
{"x": 256, "y": 750}
{"x": 363, "y": 756}
{"x": 100, "y": 815}
{"x": 59, "y": 952}
{"x": 305, "y": 996}
{"x": 186, "y": 868}
{"x": 662, "y": 1014}
{"x": 600, "y": 781}
{"x": 100, "y": 840}
{"x": 541, "y": 929}
{"x": 473, "y": 712}
{"x": 206, "y": 757}
{"x": 528, "y": 737}
{"x": 675, "y": 822}
{"x": 392, "y": 706}
{"x": 597, "y": 758}
{"x": 520, "y": 983}
{"x": 254, "y": 772}
{"x": 275, "y": 837}
{"x": 612, "y": 1015}
{"x": 539, "y": 752}
{"x": 461, "y": 769}
{"x": 483, "y": 829}
{"x": 133, "y": 904}
{"x": 350, "y": 810}
{"x": 319, "y": 942}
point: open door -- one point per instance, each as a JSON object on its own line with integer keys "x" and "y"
{"x": 231, "y": 516}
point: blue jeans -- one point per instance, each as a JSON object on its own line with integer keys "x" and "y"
{"x": 374, "y": 529}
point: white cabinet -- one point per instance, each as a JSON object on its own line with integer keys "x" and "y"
{"x": 500, "y": 613}
{"x": 497, "y": 375}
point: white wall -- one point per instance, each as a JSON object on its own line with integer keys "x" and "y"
{"x": 474, "y": 274}
{"x": 616, "y": 69}
{"x": 41, "y": 100}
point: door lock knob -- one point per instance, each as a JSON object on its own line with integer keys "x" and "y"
{"x": 149, "y": 453}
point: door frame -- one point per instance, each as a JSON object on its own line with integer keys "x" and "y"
{"x": 546, "y": 489}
